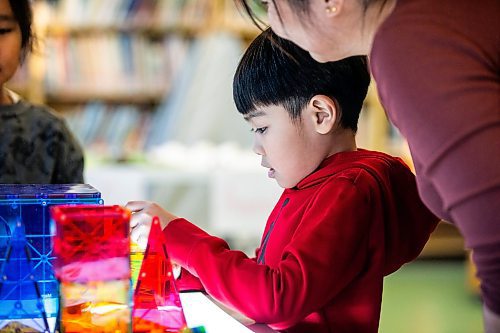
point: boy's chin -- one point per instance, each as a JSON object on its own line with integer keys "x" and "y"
{"x": 286, "y": 185}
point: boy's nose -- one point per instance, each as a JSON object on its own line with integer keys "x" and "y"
{"x": 257, "y": 148}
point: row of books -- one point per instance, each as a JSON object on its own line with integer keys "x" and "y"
{"x": 114, "y": 131}
{"x": 196, "y": 108}
{"x": 158, "y": 13}
{"x": 113, "y": 63}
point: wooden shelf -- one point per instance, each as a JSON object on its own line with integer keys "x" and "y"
{"x": 79, "y": 96}
{"x": 56, "y": 30}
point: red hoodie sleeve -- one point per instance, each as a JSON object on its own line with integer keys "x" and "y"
{"x": 326, "y": 253}
{"x": 188, "y": 282}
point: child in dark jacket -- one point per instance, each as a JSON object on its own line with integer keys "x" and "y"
{"x": 346, "y": 218}
{"x": 36, "y": 145}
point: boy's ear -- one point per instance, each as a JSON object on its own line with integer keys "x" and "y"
{"x": 323, "y": 113}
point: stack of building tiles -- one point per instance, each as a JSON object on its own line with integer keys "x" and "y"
{"x": 92, "y": 246}
{"x": 28, "y": 286}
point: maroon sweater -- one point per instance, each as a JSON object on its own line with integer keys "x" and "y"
{"x": 437, "y": 64}
{"x": 326, "y": 247}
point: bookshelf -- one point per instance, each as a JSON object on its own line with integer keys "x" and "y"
{"x": 119, "y": 54}
{"x": 109, "y": 66}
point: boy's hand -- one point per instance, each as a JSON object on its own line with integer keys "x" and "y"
{"x": 142, "y": 217}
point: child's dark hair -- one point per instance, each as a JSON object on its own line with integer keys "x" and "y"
{"x": 274, "y": 71}
{"x": 24, "y": 16}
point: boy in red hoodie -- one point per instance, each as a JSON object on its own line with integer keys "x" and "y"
{"x": 346, "y": 218}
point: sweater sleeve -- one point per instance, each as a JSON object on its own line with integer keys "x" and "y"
{"x": 326, "y": 253}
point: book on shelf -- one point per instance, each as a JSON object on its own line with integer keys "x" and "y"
{"x": 112, "y": 63}
{"x": 111, "y": 130}
{"x": 200, "y": 105}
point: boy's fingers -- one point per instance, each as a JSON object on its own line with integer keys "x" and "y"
{"x": 176, "y": 270}
{"x": 135, "y": 206}
{"x": 142, "y": 242}
{"x": 133, "y": 221}
{"x": 139, "y": 219}
{"x": 134, "y": 235}
{"x": 140, "y": 235}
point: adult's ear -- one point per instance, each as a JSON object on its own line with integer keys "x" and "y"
{"x": 331, "y": 7}
{"x": 323, "y": 113}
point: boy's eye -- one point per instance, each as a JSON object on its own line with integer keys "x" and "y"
{"x": 264, "y": 3}
{"x": 259, "y": 130}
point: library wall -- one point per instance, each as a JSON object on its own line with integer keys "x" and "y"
{"x": 145, "y": 85}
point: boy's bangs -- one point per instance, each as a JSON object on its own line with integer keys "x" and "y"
{"x": 250, "y": 94}
{"x": 264, "y": 76}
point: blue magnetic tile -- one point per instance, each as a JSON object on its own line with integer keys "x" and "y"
{"x": 49, "y": 191}
{"x": 28, "y": 205}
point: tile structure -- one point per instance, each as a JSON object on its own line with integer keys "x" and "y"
{"x": 28, "y": 286}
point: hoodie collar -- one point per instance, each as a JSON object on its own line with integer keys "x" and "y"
{"x": 330, "y": 166}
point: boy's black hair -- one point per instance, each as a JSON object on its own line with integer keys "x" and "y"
{"x": 24, "y": 16}
{"x": 274, "y": 71}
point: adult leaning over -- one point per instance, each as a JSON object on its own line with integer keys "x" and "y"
{"x": 437, "y": 69}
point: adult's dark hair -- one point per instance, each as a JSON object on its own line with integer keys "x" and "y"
{"x": 24, "y": 16}
{"x": 274, "y": 71}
